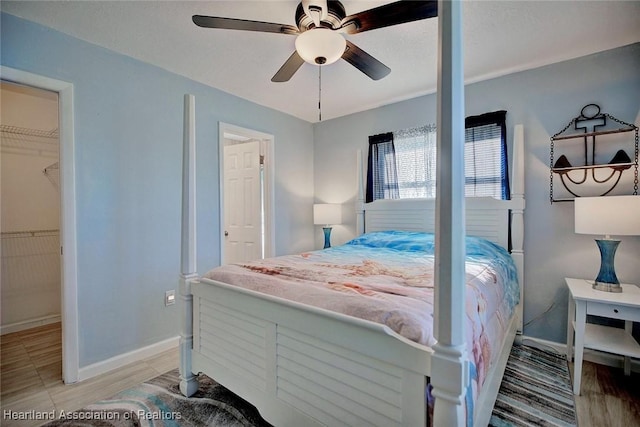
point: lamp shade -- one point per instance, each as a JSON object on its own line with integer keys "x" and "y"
{"x": 320, "y": 46}
{"x": 612, "y": 215}
{"x": 327, "y": 214}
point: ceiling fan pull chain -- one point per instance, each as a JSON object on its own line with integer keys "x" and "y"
{"x": 319, "y": 93}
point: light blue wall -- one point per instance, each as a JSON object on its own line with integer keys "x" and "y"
{"x": 544, "y": 100}
{"x": 128, "y": 133}
{"x": 128, "y": 136}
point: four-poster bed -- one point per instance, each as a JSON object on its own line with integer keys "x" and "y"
{"x": 284, "y": 356}
{"x": 245, "y": 340}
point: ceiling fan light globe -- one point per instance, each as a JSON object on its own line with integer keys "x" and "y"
{"x": 320, "y": 46}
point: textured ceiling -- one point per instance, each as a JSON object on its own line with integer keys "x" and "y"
{"x": 500, "y": 37}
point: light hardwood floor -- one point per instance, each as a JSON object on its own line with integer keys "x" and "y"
{"x": 31, "y": 380}
{"x": 607, "y": 398}
{"x": 31, "y": 375}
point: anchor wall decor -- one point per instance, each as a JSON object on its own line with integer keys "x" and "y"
{"x": 605, "y": 175}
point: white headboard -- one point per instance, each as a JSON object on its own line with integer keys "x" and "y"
{"x": 485, "y": 217}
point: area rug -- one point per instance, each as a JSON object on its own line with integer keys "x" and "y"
{"x": 158, "y": 402}
{"x": 535, "y": 390}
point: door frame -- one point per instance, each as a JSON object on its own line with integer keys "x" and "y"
{"x": 268, "y": 184}
{"x": 68, "y": 239}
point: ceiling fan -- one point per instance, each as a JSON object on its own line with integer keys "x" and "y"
{"x": 320, "y": 25}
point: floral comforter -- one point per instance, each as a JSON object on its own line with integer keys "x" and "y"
{"x": 387, "y": 277}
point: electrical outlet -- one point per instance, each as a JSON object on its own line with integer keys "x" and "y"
{"x": 170, "y": 297}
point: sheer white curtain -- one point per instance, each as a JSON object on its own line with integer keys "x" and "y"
{"x": 416, "y": 161}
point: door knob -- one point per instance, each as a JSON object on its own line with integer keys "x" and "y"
{"x": 226, "y": 233}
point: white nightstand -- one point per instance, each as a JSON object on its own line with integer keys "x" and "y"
{"x": 583, "y": 300}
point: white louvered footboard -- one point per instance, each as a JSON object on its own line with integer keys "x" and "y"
{"x": 234, "y": 340}
{"x": 281, "y": 357}
{"x": 335, "y": 383}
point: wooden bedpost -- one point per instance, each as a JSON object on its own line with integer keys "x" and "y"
{"x": 517, "y": 215}
{"x": 188, "y": 381}
{"x": 360, "y": 194}
{"x": 449, "y": 363}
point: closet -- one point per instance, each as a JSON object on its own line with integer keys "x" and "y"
{"x": 30, "y": 204}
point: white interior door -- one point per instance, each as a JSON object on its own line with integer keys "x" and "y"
{"x": 242, "y": 202}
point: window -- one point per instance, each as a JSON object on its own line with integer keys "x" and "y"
{"x": 404, "y": 162}
{"x": 416, "y": 162}
{"x": 485, "y": 156}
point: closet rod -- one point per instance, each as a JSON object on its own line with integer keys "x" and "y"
{"x": 27, "y": 233}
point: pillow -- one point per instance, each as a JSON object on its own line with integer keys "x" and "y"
{"x": 425, "y": 242}
{"x": 399, "y": 240}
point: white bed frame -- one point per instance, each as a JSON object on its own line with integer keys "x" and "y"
{"x": 306, "y": 366}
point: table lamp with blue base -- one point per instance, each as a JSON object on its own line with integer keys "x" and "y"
{"x": 611, "y": 215}
{"x": 327, "y": 214}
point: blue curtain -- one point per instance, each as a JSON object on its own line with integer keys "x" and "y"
{"x": 382, "y": 176}
{"x": 479, "y": 130}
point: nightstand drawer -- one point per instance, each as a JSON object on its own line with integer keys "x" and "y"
{"x": 613, "y": 311}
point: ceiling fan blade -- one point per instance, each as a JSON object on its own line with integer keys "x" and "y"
{"x": 365, "y": 62}
{"x": 243, "y": 24}
{"x": 386, "y": 15}
{"x": 288, "y": 69}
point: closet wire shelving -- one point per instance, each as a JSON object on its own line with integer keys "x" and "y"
{"x": 17, "y": 130}
{"x": 21, "y": 137}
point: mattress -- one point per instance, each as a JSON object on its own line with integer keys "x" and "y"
{"x": 387, "y": 277}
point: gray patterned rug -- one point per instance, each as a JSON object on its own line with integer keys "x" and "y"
{"x": 536, "y": 390}
{"x": 158, "y": 402}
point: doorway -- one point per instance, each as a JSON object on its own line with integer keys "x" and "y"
{"x": 67, "y": 219}
{"x": 246, "y": 194}
{"x": 30, "y": 232}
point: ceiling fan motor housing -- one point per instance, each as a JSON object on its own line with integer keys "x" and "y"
{"x": 335, "y": 15}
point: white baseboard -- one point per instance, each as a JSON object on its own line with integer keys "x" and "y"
{"x": 28, "y": 324}
{"x": 121, "y": 360}
{"x": 594, "y": 356}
